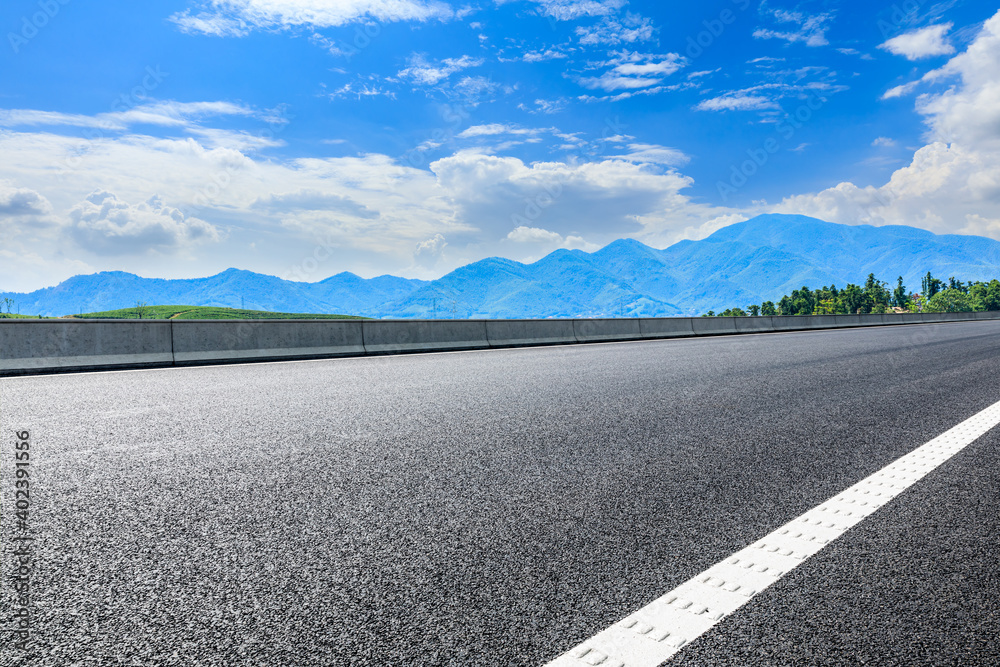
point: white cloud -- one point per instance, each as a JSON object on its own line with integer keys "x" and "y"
{"x": 600, "y": 200}
{"x": 922, "y": 43}
{"x": 430, "y": 251}
{"x": 233, "y": 18}
{"x": 167, "y": 114}
{"x": 569, "y": 10}
{"x": 654, "y": 154}
{"x": 314, "y": 200}
{"x": 612, "y": 31}
{"x": 883, "y": 142}
{"x": 106, "y": 225}
{"x": 360, "y": 90}
{"x": 901, "y": 90}
{"x": 810, "y": 30}
{"x": 21, "y": 203}
{"x": 633, "y": 70}
{"x": 495, "y": 129}
{"x": 473, "y": 90}
{"x": 542, "y": 56}
{"x": 736, "y": 102}
{"x": 533, "y": 235}
{"x": 953, "y": 183}
{"x": 545, "y": 106}
{"x": 423, "y": 72}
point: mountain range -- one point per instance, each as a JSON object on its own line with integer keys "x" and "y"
{"x": 747, "y": 262}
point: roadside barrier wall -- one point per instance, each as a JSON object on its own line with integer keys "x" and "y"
{"x": 59, "y": 345}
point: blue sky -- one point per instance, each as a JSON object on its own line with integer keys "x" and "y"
{"x": 302, "y": 138}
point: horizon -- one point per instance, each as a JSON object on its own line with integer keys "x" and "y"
{"x": 417, "y": 138}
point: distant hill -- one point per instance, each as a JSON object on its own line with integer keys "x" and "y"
{"x": 744, "y": 263}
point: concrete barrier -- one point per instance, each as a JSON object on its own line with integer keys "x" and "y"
{"x": 205, "y": 341}
{"x": 803, "y": 322}
{"x": 902, "y": 318}
{"x": 847, "y": 320}
{"x": 873, "y": 320}
{"x": 38, "y": 346}
{"x": 28, "y": 346}
{"x": 666, "y": 327}
{"x": 591, "y": 331}
{"x": 753, "y": 324}
{"x": 396, "y": 336}
{"x": 519, "y": 333}
{"x": 713, "y": 326}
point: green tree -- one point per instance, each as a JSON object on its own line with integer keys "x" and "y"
{"x": 949, "y": 301}
{"x": 985, "y": 296}
{"x": 767, "y": 308}
{"x": 957, "y": 284}
{"x": 900, "y": 298}
{"x": 855, "y": 300}
{"x": 930, "y": 285}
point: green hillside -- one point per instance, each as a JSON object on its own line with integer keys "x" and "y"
{"x": 205, "y": 313}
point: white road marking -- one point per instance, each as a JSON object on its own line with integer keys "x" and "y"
{"x": 653, "y": 634}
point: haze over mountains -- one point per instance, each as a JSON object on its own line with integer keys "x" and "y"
{"x": 744, "y": 263}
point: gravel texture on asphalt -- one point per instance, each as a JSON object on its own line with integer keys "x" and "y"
{"x": 498, "y": 507}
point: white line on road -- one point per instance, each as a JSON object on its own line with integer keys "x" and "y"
{"x": 656, "y": 632}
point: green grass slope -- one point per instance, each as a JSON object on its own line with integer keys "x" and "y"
{"x": 205, "y": 313}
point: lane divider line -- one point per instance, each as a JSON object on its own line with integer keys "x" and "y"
{"x": 654, "y": 634}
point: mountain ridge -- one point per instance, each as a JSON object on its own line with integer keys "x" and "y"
{"x": 746, "y": 262}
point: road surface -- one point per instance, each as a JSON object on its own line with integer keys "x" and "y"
{"x": 500, "y": 507}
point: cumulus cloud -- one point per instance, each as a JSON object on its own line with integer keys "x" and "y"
{"x": 953, "y": 183}
{"x": 234, "y": 18}
{"x": 533, "y": 235}
{"x": 22, "y": 203}
{"x": 922, "y": 43}
{"x": 106, "y": 225}
{"x": 603, "y": 199}
{"x": 430, "y": 251}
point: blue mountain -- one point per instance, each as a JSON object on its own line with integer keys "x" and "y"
{"x": 748, "y": 262}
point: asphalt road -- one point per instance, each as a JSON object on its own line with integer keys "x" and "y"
{"x": 498, "y": 507}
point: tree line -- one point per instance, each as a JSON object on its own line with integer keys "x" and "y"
{"x": 875, "y": 296}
